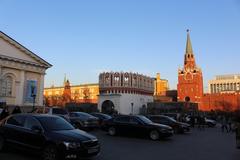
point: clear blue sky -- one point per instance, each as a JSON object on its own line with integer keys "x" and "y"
{"x": 83, "y": 38}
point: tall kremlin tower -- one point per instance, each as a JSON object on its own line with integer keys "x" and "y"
{"x": 190, "y": 79}
{"x": 67, "y": 91}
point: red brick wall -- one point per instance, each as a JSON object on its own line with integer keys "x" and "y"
{"x": 221, "y": 101}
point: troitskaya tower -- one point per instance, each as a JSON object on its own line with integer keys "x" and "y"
{"x": 190, "y": 80}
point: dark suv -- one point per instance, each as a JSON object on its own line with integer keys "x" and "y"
{"x": 137, "y": 125}
{"x": 52, "y": 136}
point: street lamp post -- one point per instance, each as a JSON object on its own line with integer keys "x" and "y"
{"x": 132, "y": 107}
{"x": 33, "y": 95}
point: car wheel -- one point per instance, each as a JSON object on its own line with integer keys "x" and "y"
{"x": 1, "y": 143}
{"x": 154, "y": 135}
{"x": 176, "y": 130}
{"x": 112, "y": 131}
{"x": 50, "y": 153}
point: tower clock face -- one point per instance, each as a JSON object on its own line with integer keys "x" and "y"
{"x": 188, "y": 76}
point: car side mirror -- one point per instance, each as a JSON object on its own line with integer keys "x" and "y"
{"x": 36, "y": 129}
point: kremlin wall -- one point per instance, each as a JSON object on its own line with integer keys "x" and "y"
{"x": 224, "y": 95}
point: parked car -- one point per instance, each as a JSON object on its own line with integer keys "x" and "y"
{"x": 51, "y": 136}
{"x": 175, "y": 116}
{"x": 210, "y": 122}
{"x": 102, "y": 117}
{"x": 59, "y": 111}
{"x": 83, "y": 120}
{"x": 137, "y": 125}
{"x": 178, "y": 127}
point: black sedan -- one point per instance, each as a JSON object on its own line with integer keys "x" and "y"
{"x": 51, "y": 136}
{"x": 102, "y": 117}
{"x": 137, "y": 125}
{"x": 178, "y": 127}
{"x": 83, "y": 120}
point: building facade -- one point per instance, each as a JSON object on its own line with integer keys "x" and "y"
{"x": 190, "y": 79}
{"x": 59, "y": 96}
{"x": 224, "y": 84}
{"x": 21, "y": 74}
{"x": 161, "y": 86}
{"x": 124, "y": 92}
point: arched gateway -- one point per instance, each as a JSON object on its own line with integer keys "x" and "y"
{"x": 108, "y": 107}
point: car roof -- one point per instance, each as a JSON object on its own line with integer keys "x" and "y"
{"x": 127, "y": 116}
{"x": 99, "y": 113}
{"x": 33, "y": 115}
{"x": 83, "y": 113}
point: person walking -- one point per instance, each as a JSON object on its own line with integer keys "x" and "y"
{"x": 199, "y": 122}
{"x": 224, "y": 124}
{"x": 230, "y": 127}
{"x": 4, "y": 113}
{"x": 16, "y": 110}
{"x": 192, "y": 120}
{"x": 203, "y": 122}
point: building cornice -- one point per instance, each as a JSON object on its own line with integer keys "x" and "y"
{"x": 15, "y": 63}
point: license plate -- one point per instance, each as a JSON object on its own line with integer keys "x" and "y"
{"x": 93, "y": 150}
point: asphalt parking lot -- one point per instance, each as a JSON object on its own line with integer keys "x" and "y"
{"x": 210, "y": 144}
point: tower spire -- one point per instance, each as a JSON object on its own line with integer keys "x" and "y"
{"x": 65, "y": 79}
{"x": 189, "y": 60}
{"x": 189, "y": 44}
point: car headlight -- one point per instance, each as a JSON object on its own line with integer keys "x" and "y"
{"x": 86, "y": 122}
{"x": 164, "y": 130}
{"x": 72, "y": 145}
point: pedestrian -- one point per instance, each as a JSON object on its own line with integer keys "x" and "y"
{"x": 203, "y": 122}
{"x": 224, "y": 124}
{"x": 16, "y": 110}
{"x": 4, "y": 113}
{"x": 192, "y": 120}
{"x": 199, "y": 122}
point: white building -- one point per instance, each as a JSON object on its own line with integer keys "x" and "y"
{"x": 21, "y": 74}
{"x": 225, "y": 83}
{"x": 124, "y": 92}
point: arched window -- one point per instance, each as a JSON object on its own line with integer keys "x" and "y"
{"x": 7, "y": 84}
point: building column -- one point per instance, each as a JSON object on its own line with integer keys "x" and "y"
{"x": 210, "y": 88}
{"x": 40, "y": 99}
{"x": 20, "y": 91}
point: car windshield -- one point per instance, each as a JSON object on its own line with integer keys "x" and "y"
{"x": 59, "y": 111}
{"x": 171, "y": 119}
{"x": 55, "y": 123}
{"x": 107, "y": 116}
{"x": 145, "y": 119}
{"x": 102, "y": 115}
{"x": 85, "y": 115}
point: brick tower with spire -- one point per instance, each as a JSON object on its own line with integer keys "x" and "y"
{"x": 190, "y": 79}
{"x": 66, "y": 91}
